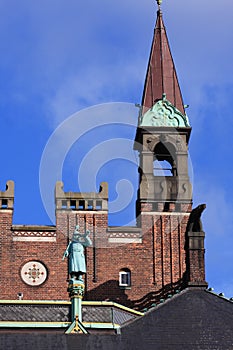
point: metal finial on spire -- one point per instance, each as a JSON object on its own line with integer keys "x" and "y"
{"x": 159, "y": 2}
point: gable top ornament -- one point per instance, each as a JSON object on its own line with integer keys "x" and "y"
{"x": 164, "y": 113}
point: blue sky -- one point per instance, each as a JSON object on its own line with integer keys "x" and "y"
{"x": 59, "y": 57}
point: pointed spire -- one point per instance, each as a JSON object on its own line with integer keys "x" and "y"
{"x": 161, "y": 77}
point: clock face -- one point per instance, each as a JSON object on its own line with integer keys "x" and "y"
{"x": 34, "y": 273}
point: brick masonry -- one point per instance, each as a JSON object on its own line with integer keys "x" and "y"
{"x": 160, "y": 254}
{"x": 157, "y": 256}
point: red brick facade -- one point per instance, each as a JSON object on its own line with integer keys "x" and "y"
{"x": 159, "y": 255}
{"x": 155, "y": 254}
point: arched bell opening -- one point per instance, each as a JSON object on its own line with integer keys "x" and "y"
{"x": 164, "y": 161}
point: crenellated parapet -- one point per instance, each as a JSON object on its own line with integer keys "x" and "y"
{"x": 7, "y": 196}
{"x": 81, "y": 200}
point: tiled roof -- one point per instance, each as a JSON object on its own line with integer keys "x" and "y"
{"x": 106, "y": 314}
{"x": 194, "y": 319}
{"x": 60, "y": 312}
{"x": 34, "y": 312}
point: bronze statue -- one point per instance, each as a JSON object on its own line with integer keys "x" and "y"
{"x": 75, "y": 252}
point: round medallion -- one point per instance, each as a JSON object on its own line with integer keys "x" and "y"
{"x": 33, "y": 273}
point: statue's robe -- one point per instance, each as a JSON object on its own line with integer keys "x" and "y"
{"x": 77, "y": 258}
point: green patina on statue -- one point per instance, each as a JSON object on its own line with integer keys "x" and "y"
{"x": 75, "y": 252}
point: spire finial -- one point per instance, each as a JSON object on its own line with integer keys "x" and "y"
{"x": 159, "y": 2}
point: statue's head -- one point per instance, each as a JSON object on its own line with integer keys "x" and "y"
{"x": 76, "y": 235}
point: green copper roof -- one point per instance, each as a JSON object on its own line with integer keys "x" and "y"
{"x": 164, "y": 113}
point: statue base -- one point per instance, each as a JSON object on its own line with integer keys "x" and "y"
{"x": 76, "y": 288}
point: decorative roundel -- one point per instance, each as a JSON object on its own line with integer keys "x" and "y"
{"x": 33, "y": 273}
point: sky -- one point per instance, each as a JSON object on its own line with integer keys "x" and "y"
{"x": 67, "y": 65}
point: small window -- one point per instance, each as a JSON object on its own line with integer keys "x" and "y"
{"x": 166, "y": 206}
{"x": 4, "y": 203}
{"x": 178, "y": 207}
{"x": 125, "y": 278}
{"x": 90, "y": 205}
{"x": 73, "y": 204}
{"x": 81, "y": 205}
{"x": 98, "y": 205}
{"x": 155, "y": 206}
{"x": 64, "y": 204}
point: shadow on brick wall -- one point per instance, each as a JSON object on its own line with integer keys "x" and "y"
{"x": 110, "y": 291}
{"x": 154, "y": 298}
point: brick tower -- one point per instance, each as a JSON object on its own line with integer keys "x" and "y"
{"x": 164, "y": 199}
{"x": 135, "y": 266}
{"x": 165, "y": 252}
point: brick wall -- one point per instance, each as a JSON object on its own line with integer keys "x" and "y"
{"x": 19, "y": 246}
{"x": 158, "y": 262}
{"x": 156, "y": 254}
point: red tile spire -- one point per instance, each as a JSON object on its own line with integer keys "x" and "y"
{"x": 161, "y": 77}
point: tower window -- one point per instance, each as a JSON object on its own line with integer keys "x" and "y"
{"x": 98, "y": 205}
{"x": 125, "y": 278}
{"x": 4, "y": 203}
{"x": 166, "y": 206}
{"x": 90, "y": 205}
{"x": 73, "y": 204}
{"x": 164, "y": 160}
{"x": 81, "y": 205}
{"x": 64, "y": 204}
{"x": 162, "y": 168}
